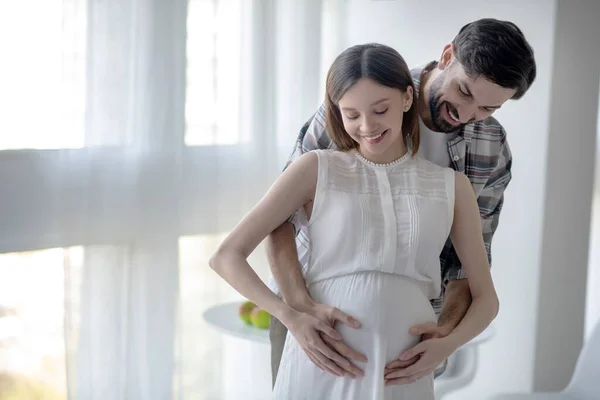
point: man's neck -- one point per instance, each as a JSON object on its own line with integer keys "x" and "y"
{"x": 427, "y": 76}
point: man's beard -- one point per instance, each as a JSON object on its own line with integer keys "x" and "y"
{"x": 436, "y": 108}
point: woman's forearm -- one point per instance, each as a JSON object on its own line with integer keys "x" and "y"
{"x": 467, "y": 238}
{"x": 292, "y": 190}
{"x": 239, "y": 274}
{"x": 481, "y": 313}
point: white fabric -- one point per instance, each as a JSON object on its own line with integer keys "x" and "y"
{"x": 434, "y": 145}
{"x": 378, "y": 234}
{"x": 141, "y": 133}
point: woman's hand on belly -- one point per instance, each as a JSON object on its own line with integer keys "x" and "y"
{"x": 312, "y": 327}
{"x": 419, "y": 361}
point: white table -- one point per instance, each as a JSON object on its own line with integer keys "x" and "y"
{"x": 247, "y": 354}
{"x": 224, "y": 317}
{"x": 248, "y": 357}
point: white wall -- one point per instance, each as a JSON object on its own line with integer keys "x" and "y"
{"x": 419, "y": 30}
{"x": 568, "y": 192}
{"x": 592, "y": 315}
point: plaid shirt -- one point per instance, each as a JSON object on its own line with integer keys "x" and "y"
{"x": 480, "y": 151}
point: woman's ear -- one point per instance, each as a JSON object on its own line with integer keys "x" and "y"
{"x": 408, "y": 98}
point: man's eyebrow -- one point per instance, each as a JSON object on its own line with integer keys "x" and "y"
{"x": 470, "y": 94}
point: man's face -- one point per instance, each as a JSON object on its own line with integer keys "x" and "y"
{"x": 456, "y": 99}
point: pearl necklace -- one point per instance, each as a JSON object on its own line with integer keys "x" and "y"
{"x": 374, "y": 164}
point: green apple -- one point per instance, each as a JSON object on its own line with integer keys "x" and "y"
{"x": 260, "y": 318}
{"x": 245, "y": 310}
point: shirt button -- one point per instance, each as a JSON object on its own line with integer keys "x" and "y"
{"x": 456, "y": 158}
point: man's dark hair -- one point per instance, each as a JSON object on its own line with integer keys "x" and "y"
{"x": 498, "y": 51}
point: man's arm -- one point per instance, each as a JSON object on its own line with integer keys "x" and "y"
{"x": 287, "y": 272}
{"x": 457, "y": 301}
{"x": 282, "y": 252}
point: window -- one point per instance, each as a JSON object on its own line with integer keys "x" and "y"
{"x": 172, "y": 94}
{"x": 43, "y": 74}
{"x": 35, "y": 289}
{"x": 200, "y": 352}
{"x": 213, "y": 94}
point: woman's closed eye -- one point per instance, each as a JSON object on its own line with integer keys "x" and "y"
{"x": 352, "y": 117}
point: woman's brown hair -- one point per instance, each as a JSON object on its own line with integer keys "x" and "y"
{"x": 381, "y": 64}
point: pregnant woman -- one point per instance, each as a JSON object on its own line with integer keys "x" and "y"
{"x": 378, "y": 218}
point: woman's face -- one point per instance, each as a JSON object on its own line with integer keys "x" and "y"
{"x": 372, "y": 115}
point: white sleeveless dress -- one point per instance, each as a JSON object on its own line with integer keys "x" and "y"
{"x": 376, "y": 232}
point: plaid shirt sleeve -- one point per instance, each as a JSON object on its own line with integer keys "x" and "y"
{"x": 312, "y": 136}
{"x": 490, "y": 201}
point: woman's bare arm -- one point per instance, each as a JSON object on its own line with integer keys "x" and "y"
{"x": 467, "y": 238}
{"x": 294, "y": 188}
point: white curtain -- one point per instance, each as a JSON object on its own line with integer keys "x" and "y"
{"x": 134, "y": 135}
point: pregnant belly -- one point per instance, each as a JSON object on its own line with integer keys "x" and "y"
{"x": 386, "y": 305}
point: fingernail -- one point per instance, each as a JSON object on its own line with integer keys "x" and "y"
{"x": 356, "y": 324}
